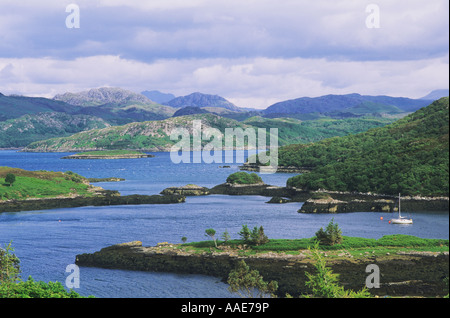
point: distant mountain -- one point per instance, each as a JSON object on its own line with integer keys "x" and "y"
{"x": 16, "y": 106}
{"x": 116, "y": 105}
{"x": 351, "y": 103}
{"x": 158, "y": 97}
{"x": 202, "y": 100}
{"x": 437, "y": 94}
{"x": 101, "y": 96}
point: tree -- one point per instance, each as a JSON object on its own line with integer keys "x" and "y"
{"x": 184, "y": 239}
{"x": 245, "y": 233}
{"x": 10, "y": 178}
{"x": 332, "y": 234}
{"x": 249, "y": 283}
{"x": 9, "y": 265}
{"x": 324, "y": 284}
{"x": 225, "y": 236}
{"x": 258, "y": 236}
{"x": 211, "y": 233}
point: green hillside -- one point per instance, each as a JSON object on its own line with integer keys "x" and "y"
{"x": 19, "y": 132}
{"x": 155, "y": 135}
{"x": 294, "y": 131}
{"x": 410, "y": 156}
{"x": 150, "y": 135}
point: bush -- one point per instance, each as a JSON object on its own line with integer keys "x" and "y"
{"x": 244, "y": 178}
{"x": 254, "y": 237}
{"x": 332, "y": 234}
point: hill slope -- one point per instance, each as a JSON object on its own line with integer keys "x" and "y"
{"x": 17, "y": 106}
{"x": 410, "y": 156}
{"x": 19, "y": 132}
{"x": 150, "y": 136}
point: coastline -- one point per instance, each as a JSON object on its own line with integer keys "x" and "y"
{"x": 335, "y": 202}
{"x": 108, "y": 198}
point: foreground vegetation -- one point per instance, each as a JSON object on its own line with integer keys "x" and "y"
{"x": 12, "y": 286}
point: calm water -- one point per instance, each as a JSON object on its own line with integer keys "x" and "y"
{"x": 47, "y": 241}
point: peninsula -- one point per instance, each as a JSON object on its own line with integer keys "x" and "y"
{"x": 23, "y": 190}
{"x": 417, "y": 270}
{"x": 110, "y": 154}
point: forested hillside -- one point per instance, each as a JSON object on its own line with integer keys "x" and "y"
{"x": 410, "y": 156}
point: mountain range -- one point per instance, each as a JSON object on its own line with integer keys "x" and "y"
{"x": 35, "y": 117}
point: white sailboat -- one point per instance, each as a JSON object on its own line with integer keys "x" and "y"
{"x": 400, "y": 219}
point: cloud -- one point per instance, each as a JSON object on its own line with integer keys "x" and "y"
{"x": 252, "y": 52}
{"x": 248, "y": 82}
{"x": 150, "y": 30}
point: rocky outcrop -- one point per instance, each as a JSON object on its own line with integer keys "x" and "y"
{"x": 187, "y": 190}
{"x": 249, "y": 189}
{"x": 280, "y": 169}
{"x": 344, "y": 203}
{"x": 412, "y": 274}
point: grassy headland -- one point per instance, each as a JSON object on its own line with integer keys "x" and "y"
{"x": 42, "y": 184}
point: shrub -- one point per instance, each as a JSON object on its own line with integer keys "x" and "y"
{"x": 332, "y": 234}
{"x": 249, "y": 283}
{"x": 244, "y": 178}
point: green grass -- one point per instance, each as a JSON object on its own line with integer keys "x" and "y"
{"x": 355, "y": 245}
{"x": 41, "y": 184}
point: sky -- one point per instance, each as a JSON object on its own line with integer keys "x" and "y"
{"x": 252, "y": 52}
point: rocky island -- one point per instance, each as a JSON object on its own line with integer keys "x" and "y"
{"x": 110, "y": 154}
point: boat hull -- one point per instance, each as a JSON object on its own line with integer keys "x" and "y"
{"x": 401, "y": 221}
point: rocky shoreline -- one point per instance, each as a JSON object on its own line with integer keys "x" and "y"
{"x": 107, "y": 198}
{"x": 402, "y": 274}
{"x": 329, "y": 202}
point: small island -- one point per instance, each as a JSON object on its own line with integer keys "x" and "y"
{"x": 110, "y": 154}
